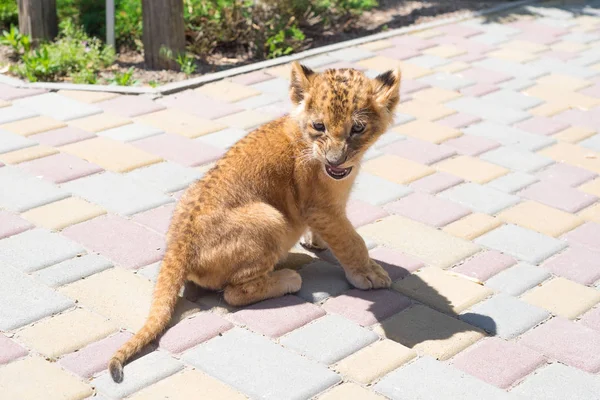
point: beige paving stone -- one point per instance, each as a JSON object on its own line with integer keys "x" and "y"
{"x": 563, "y": 297}
{"x": 524, "y": 45}
{"x": 86, "y": 96}
{"x": 380, "y": 63}
{"x": 424, "y": 110}
{"x": 349, "y": 391}
{"x": 574, "y": 134}
{"x": 453, "y": 67}
{"x": 186, "y": 385}
{"x": 412, "y": 71}
{"x": 574, "y": 155}
{"x": 4, "y": 103}
{"x": 595, "y": 67}
{"x": 179, "y": 122}
{"x": 65, "y": 333}
{"x": 563, "y": 83}
{"x": 427, "y": 130}
{"x": 432, "y": 246}
{"x": 510, "y": 54}
{"x": 591, "y": 213}
{"x": 111, "y": 154}
{"x": 27, "y": 154}
{"x": 427, "y": 33}
{"x": 377, "y": 45}
{"x": 429, "y": 332}
{"x": 245, "y": 119}
{"x": 124, "y": 298}
{"x": 569, "y": 47}
{"x": 229, "y": 91}
{"x": 282, "y": 71}
{"x": 442, "y": 290}
{"x": 397, "y": 169}
{"x": 445, "y": 51}
{"x": 549, "y": 109}
{"x": 436, "y": 95}
{"x": 472, "y": 226}
{"x": 552, "y": 94}
{"x": 591, "y": 187}
{"x": 540, "y": 218}
{"x": 34, "y": 378}
{"x": 372, "y": 362}
{"x": 471, "y": 169}
{"x": 31, "y": 126}
{"x": 63, "y": 213}
{"x": 99, "y": 122}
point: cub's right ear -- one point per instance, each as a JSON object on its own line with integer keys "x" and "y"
{"x": 300, "y": 82}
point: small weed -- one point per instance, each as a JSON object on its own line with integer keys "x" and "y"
{"x": 284, "y": 41}
{"x": 16, "y": 41}
{"x": 187, "y": 63}
{"x": 123, "y": 78}
{"x": 153, "y": 84}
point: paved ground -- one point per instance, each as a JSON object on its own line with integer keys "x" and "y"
{"x": 482, "y": 202}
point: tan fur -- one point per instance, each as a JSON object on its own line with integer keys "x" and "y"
{"x": 231, "y": 228}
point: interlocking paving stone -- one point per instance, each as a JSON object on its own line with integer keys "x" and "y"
{"x": 329, "y": 339}
{"x": 351, "y": 54}
{"x": 447, "y": 81}
{"x": 498, "y": 362}
{"x": 507, "y": 316}
{"x": 563, "y": 297}
{"x": 562, "y": 197}
{"x": 458, "y": 120}
{"x": 396, "y": 169}
{"x": 428, "y": 379}
{"x": 130, "y": 106}
{"x": 166, "y": 176}
{"x": 58, "y": 107}
{"x": 428, "y": 209}
{"x": 117, "y": 193}
{"x": 9, "y": 92}
{"x": 515, "y": 69}
{"x": 435, "y": 183}
{"x": 540, "y": 218}
{"x": 349, "y": 391}
{"x": 558, "y": 381}
{"x": 516, "y": 159}
{"x": 87, "y": 96}
{"x": 27, "y": 154}
{"x": 542, "y": 126}
{"x": 376, "y": 190}
{"x": 11, "y": 141}
{"x": 512, "y": 99}
{"x": 200, "y": 105}
{"x": 62, "y": 213}
{"x": 587, "y": 235}
{"x": 71, "y": 270}
{"x": 513, "y": 182}
{"x": 576, "y": 263}
{"x": 487, "y": 110}
{"x": 321, "y": 280}
{"x": 420, "y": 151}
{"x": 367, "y": 307}
{"x": 179, "y": 149}
{"x": 62, "y": 136}
{"x": 130, "y": 132}
{"x": 471, "y": 169}
{"x": 472, "y": 145}
{"x": 158, "y": 219}
{"x": 361, "y": 213}
{"x": 479, "y": 198}
{"x": 565, "y": 174}
{"x": 15, "y": 113}
{"x": 10, "y": 350}
{"x": 396, "y": 263}
{"x": 509, "y": 136}
{"x": 31, "y": 126}
{"x": 60, "y": 168}
{"x": 518, "y": 279}
{"x": 192, "y": 331}
{"x": 23, "y": 301}
{"x": 11, "y": 224}
{"x": 484, "y": 265}
{"x": 591, "y": 319}
{"x": 260, "y": 368}
{"x": 223, "y": 139}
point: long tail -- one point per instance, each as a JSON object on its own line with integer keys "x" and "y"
{"x": 170, "y": 280}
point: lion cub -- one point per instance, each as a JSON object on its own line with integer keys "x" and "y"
{"x": 288, "y": 177}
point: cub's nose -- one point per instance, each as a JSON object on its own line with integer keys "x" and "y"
{"x": 335, "y": 160}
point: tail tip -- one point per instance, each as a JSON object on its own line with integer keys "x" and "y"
{"x": 116, "y": 370}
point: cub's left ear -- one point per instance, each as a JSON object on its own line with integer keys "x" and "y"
{"x": 387, "y": 89}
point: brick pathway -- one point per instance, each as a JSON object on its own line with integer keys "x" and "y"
{"x": 482, "y": 203}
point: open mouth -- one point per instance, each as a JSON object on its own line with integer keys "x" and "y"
{"x": 337, "y": 173}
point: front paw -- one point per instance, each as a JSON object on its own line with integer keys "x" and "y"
{"x": 312, "y": 241}
{"x": 370, "y": 277}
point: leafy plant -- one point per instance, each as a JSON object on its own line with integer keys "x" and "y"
{"x": 15, "y": 40}
{"x": 187, "y": 63}
{"x": 9, "y": 13}
{"x": 123, "y": 78}
{"x": 284, "y": 41}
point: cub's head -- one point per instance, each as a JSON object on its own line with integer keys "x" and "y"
{"x": 341, "y": 113}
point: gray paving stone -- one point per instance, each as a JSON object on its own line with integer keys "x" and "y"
{"x": 260, "y": 368}
{"x": 11, "y": 141}
{"x": 329, "y": 339}
{"x": 321, "y": 280}
{"x": 580, "y": 37}
{"x": 26, "y": 191}
{"x": 504, "y": 316}
{"x": 518, "y": 70}
{"x": 559, "y": 382}
{"x": 509, "y": 136}
{"x": 15, "y": 113}
{"x": 72, "y": 270}
{"x": 429, "y": 379}
{"x": 387, "y": 139}
{"x": 130, "y": 132}
{"x": 117, "y": 193}
{"x": 517, "y": 84}
{"x": 372, "y": 153}
{"x": 491, "y": 27}
{"x": 254, "y": 102}
{"x": 592, "y": 143}
{"x": 587, "y": 58}
{"x": 513, "y": 182}
{"x": 524, "y": 244}
{"x": 563, "y": 68}
{"x": 447, "y": 81}
{"x": 150, "y": 272}
{"x": 480, "y": 198}
{"x": 428, "y": 61}
{"x": 351, "y": 54}
{"x": 487, "y": 110}
{"x": 319, "y": 61}
{"x": 277, "y": 87}
{"x": 400, "y": 118}
{"x": 223, "y": 139}
{"x": 516, "y": 159}
{"x": 138, "y": 374}
{"x": 512, "y": 99}
{"x": 517, "y": 279}
{"x": 377, "y": 191}
{"x": 490, "y": 38}
{"x": 166, "y": 176}
{"x": 23, "y": 301}
{"x": 58, "y": 107}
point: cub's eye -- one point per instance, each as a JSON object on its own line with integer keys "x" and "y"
{"x": 357, "y": 129}
{"x": 319, "y": 126}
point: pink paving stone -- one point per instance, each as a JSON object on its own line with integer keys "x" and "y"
{"x": 412, "y": 42}
{"x": 345, "y": 64}
{"x": 540, "y": 29}
{"x": 199, "y": 105}
{"x": 461, "y": 42}
{"x": 60, "y": 168}
{"x": 62, "y": 136}
{"x": 472, "y": 145}
{"x": 469, "y": 57}
{"x": 593, "y": 91}
{"x": 192, "y": 331}
{"x": 158, "y": 219}
{"x": 577, "y": 264}
{"x": 566, "y": 341}
{"x": 428, "y": 209}
{"x": 565, "y": 174}
{"x": 251, "y": 78}
{"x": 419, "y": 150}
{"x": 436, "y": 182}
{"x": 94, "y": 357}
{"x": 459, "y": 30}
{"x": 179, "y": 149}
{"x": 361, "y": 213}
{"x": 591, "y": 319}
{"x": 276, "y": 317}
{"x": 367, "y": 307}
{"x": 10, "y": 350}
{"x": 587, "y": 235}
{"x": 485, "y": 265}
{"x": 399, "y": 53}
{"x": 560, "y": 55}
{"x": 482, "y": 75}
{"x": 397, "y": 264}
{"x": 536, "y": 37}
{"x": 130, "y": 106}
{"x": 542, "y": 125}
{"x": 11, "y": 224}
{"x": 411, "y": 86}
{"x": 124, "y": 242}
{"x": 479, "y": 89}
{"x": 498, "y": 362}
{"x": 562, "y": 197}
{"x": 8, "y": 92}
{"x": 458, "y": 120}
